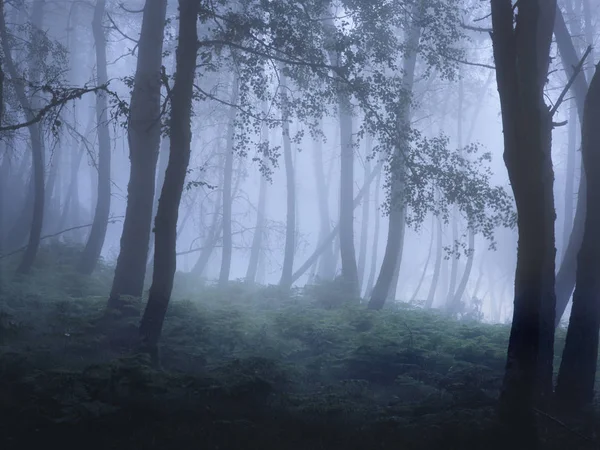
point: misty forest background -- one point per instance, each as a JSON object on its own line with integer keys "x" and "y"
{"x": 299, "y": 224}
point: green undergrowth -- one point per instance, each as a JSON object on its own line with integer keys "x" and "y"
{"x": 249, "y": 367}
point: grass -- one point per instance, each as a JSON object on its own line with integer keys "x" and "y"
{"x": 249, "y": 367}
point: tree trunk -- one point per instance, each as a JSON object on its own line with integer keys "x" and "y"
{"x": 455, "y": 259}
{"x": 334, "y": 232}
{"x": 227, "y": 189}
{"x": 165, "y": 229}
{"x": 364, "y": 226}
{"x": 521, "y": 56}
{"x": 455, "y": 303}
{"x": 577, "y": 374}
{"x": 565, "y": 278}
{"x": 373, "y": 269}
{"x": 144, "y": 142}
{"x": 259, "y": 230}
{"x": 393, "y": 249}
{"x": 349, "y": 274}
{"x": 437, "y": 267}
{"x": 570, "y": 178}
{"x": 426, "y": 266}
{"x": 37, "y": 148}
{"x": 326, "y": 264}
{"x": 93, "y": 247}
{"x": 290, "y": 220}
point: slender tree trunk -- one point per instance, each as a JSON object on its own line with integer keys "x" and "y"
{"x": 521, "y": 54}
{"x": 397, "y": 219}
{"x": 37, "y": 148}
{"x": 227, "y": 189}
{"x": 144, "y": 143}
{"x": 373, "y": 269}
{"x": 364, "y": 226}
{"x": 290, "y": 224}
{"x": 52, "y": 210}
{"x": 347, "y": 251}
{"x": 577, "y": 373}
{"x": 334, "y": 232}
{"x": 426, "y": 266}
{"x": 216, "y": 227}
{"x": 437, "y": 267}
{"x": 570, "y": 178}
{"x": 259, "y": 230}
{"x": 326, "y": 264}
{"x": 165, "y": 258}
{"x": 455, "y": 304}
{"x": 565, "y": 277}
{"x": 95, "y": 242}
{"x": 455, "y": 260}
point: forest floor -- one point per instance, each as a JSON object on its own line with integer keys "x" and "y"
{"x": 250, "y": 367}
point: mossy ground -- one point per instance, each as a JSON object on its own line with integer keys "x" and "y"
{"x": 250, "y": 367}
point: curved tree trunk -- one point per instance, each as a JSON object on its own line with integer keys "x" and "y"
{"x": 165, "y": 229}
{"x": 565, "y": 277}
{"x": 393, "y": 249}
{"x": 577, "y": 373}
{"x": 93, "y": 247}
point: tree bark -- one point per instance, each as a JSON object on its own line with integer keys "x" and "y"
{"x": 165, "y": 229}
{"x": 95, "y": 242}
{"x": 521, "y": 55}
{"x": 144, "y": 129}
{"x": 397, "y": 219}
{"x": 373, "y": 269}
{"x": 577, "y": 373}
{"x": 227, "y": 189}
{"x": 290, "y": 219}
{"x": 364, "y": 226}
{"x": 437, "y": 267}
{"x": 37, "y": 148}
{"x": 565, "y": 277}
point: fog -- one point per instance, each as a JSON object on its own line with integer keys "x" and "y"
{"x": 303, "y": 115}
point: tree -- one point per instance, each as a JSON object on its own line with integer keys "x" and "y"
{"x": 290, "y": 219}
{"x": 165, "y": 229}
{"x": 521, "y": 54}
{"x": 144, "y": 128}
{"x": 95, "y": 241}
{"x": 29, "y": 107}
{"x": 565, "y": 277}
{"x": 397, "y": 202}
{"x": 577, "y": 373}
{"x": 227, "y": 186}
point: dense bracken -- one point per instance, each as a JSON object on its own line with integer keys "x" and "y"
{"x": 245, "y": 367}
